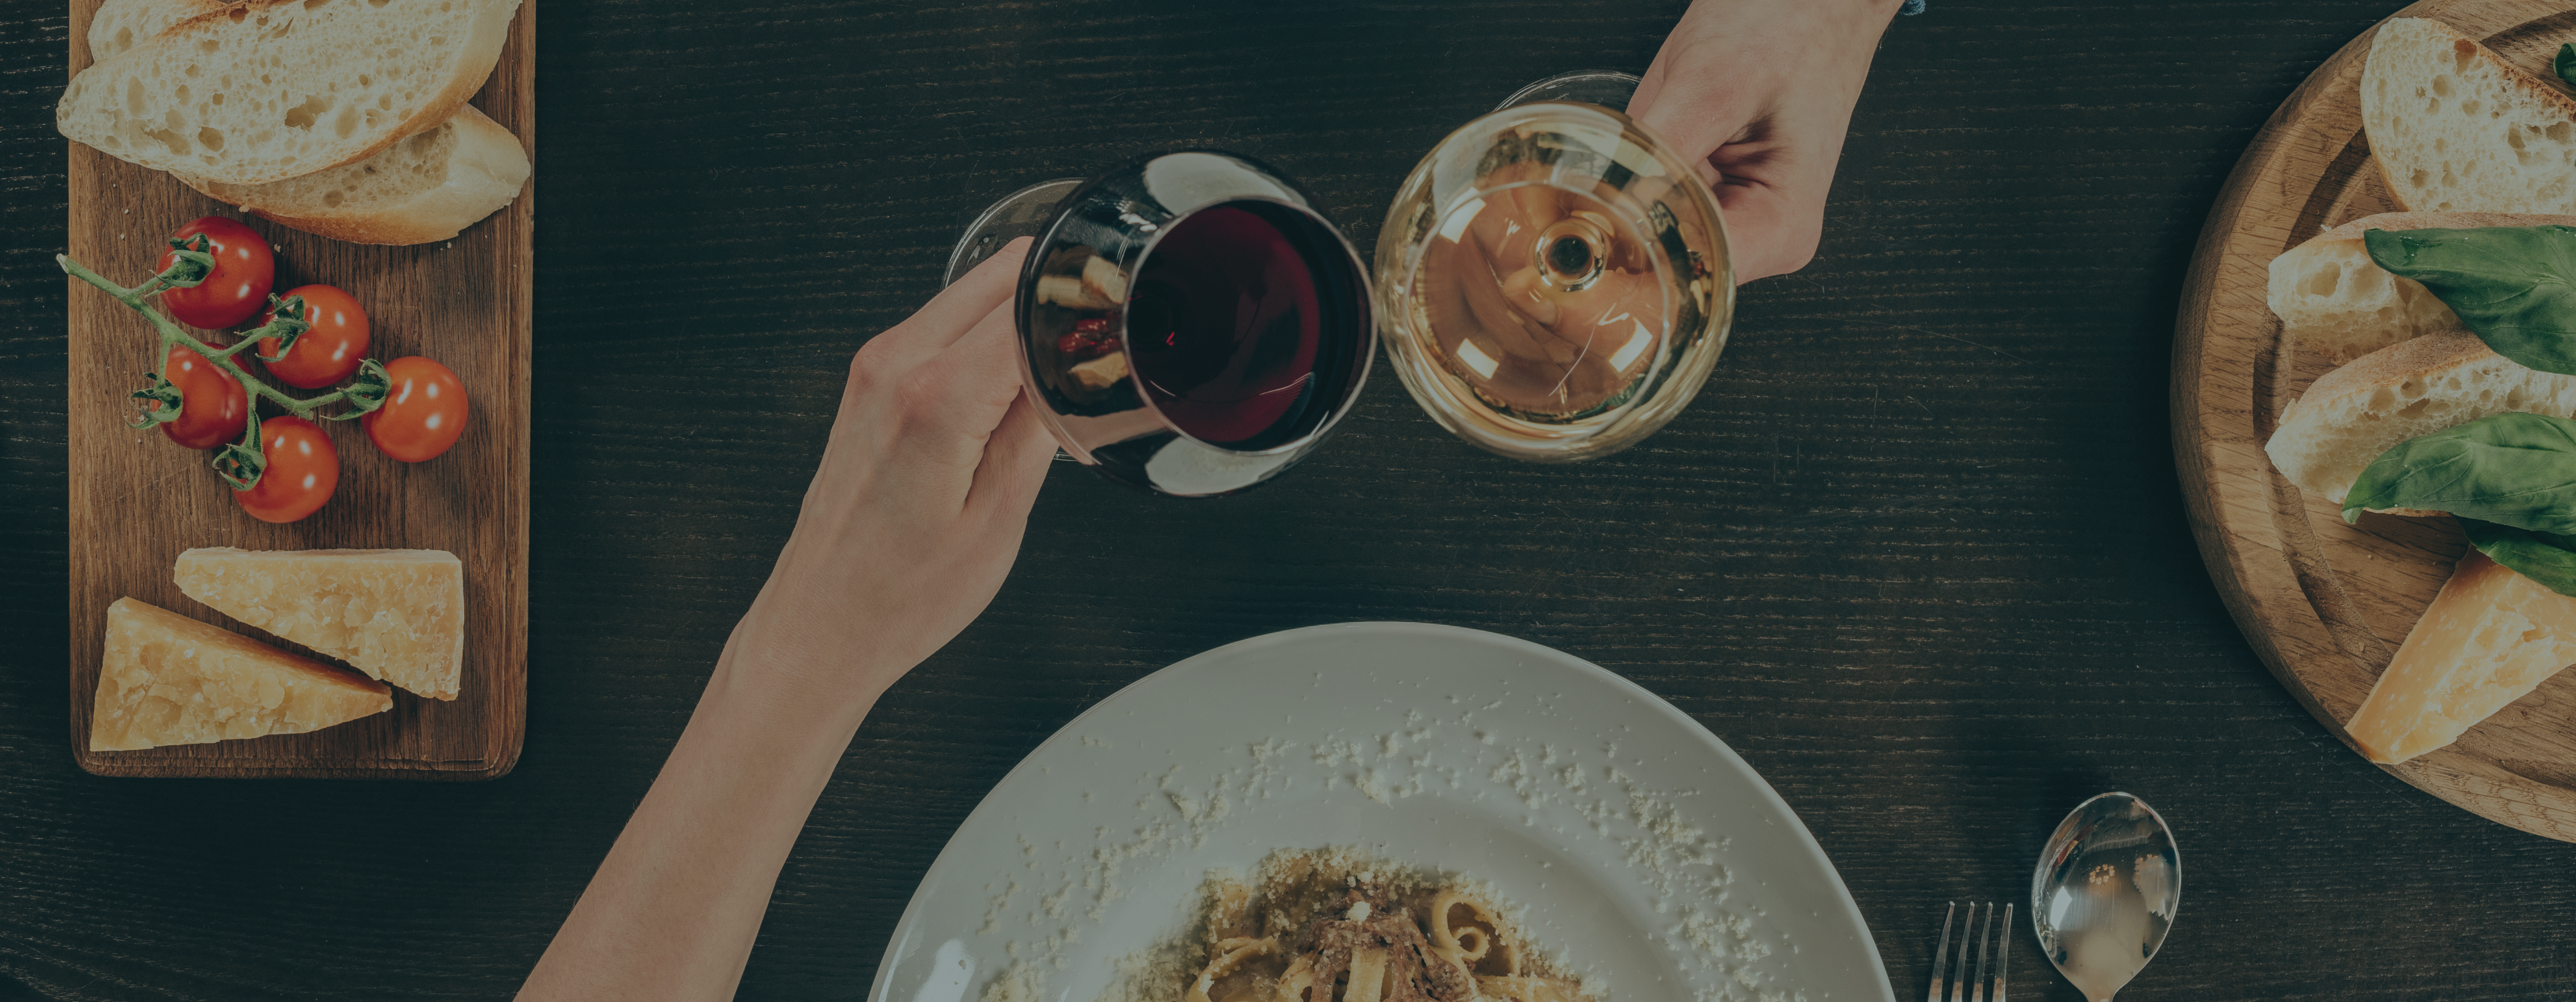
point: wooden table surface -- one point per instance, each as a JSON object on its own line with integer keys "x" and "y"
{"x": 1917, "y": 552}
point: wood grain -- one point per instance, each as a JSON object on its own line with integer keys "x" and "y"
{"x": 2327, "y": 603}
{"x": 136, "y": 500}
{"x": 1917, "y": 552}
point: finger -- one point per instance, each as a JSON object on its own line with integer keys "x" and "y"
{"x": 954, "y": 310}
{"x": 1694, "y": 119}
{"x": 1769, "y": 231}
{"x": 1016, "y": 461}
{"x": 960, "y": 395}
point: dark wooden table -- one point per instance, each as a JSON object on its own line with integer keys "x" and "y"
{"x": 1917, "y": 551}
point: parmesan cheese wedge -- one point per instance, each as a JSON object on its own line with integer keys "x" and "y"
{"x": 167, "y": 679}
{"x": 2489, "y": 638}
{"x": 397, "y": 615}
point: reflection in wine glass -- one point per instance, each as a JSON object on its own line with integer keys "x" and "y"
{"x": 1552, "y": 281}
{"x": 1189, "y": 323}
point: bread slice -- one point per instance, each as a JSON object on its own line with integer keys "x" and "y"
{"x": 2489, "y": 638}
{"x": 119, "y": 24}
{"x": 2350, "y": 416}
{"x": 424, "y": 188}
{"x": 2455, "y": 128}
{"x": 274, "y": 89}
{"x": 166, "y": 679}
{"x": 2339, "y": 303}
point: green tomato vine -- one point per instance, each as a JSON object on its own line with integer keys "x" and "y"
{"x": 239, "y": 463}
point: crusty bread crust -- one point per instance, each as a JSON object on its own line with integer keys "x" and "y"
{"x": 488, "y": 31}
{"x": 119, "y": 24}
{"x": 2390, "y": 366}
{"x": 84, "y": 117}
{"x": 486, "y": 170}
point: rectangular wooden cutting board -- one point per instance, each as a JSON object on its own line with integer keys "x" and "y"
{"x": 137, "y": 499}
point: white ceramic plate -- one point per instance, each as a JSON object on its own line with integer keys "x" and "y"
{"x": 1639, "y": 851}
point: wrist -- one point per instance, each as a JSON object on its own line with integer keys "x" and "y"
{"x": 794, "y": 667}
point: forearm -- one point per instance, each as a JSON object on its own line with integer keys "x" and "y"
{"x": 909, "y": 526}
{"x": 674, "y": 909}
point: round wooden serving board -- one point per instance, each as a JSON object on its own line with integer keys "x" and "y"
{"x": 2324, "y": 603}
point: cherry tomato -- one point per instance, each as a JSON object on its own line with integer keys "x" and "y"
{"x": 329, "y": 351}
{"x": 423, "y": 414}
{"x": 303, "y": 469}
{"x": 212, "y": 406}
{"x": 237, "y": 288}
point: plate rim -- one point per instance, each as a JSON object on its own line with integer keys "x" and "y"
{"x": 906, "y": 926}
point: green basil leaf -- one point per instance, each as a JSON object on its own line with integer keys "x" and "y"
{"x": 2545, "y": 557}
{"x": 2515, "y": 469}
{"x": 2513, "y": 285}
{"x": 2565, "y": 64}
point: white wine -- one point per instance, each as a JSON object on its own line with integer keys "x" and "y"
{"x": 1552, "y": 283}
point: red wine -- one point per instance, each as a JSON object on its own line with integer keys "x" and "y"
{"x": 1244, "y": 325}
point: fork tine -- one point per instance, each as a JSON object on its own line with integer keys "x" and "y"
{"x": 1985, "y": 938}
{"x": 2003, "y": 955}
{"x": 1942, "y": 954}
{"x": 1959, "y": 974}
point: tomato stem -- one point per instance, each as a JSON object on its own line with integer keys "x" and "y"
{"x": 240, "y": 463}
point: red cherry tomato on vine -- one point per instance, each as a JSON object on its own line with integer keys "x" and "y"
{"x": 303, "y": 469}
{"x": 423, "y": 414}
{"x": 212, "y": 406}
{"x": 238, "y": 287}
{"x": 329, "y": 351}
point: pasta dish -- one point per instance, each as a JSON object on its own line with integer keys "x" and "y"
{"x": 1328, "y": 927}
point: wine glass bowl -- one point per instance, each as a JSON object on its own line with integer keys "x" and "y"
{"x": 1552, "y": 282}
{"x": 1189, "y": 323}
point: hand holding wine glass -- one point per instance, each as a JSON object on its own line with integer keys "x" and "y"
{"x": 1758, "y": 94}
{"x": 910, "y": 523}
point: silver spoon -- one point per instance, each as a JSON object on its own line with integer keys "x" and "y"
{"x": 2105, "y": 892}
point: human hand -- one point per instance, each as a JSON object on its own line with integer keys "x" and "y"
{"x": 916, "y": 513}
{"x": 1758, "y": 94}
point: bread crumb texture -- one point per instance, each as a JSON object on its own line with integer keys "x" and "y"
{"x": 2348, "y": 417}
{"x": 274, "y": 89}
{"x": 2455, "y": 127}
{"x": 119, "y": 25}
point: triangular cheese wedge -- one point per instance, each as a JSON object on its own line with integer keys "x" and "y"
{"x": 167, "y": 679}
{"x": 397, "y": 615}
{"x": 2489, "y": 638}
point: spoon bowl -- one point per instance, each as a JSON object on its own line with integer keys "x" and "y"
{"x": 2105, "y": 892}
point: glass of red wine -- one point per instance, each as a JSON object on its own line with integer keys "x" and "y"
{"x": 1189, "y": 323}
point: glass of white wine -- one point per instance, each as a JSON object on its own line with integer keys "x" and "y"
{"x": 1552, "y": 281}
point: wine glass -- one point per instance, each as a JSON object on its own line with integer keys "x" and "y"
{"x": 1552, "y": 282}
{"x": 1189, "y": 323}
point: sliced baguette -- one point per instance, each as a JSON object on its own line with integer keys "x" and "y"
{"x": 2339, "y": 303}
{"x": 424, "y": 188}
{"x": 119, "y": 24}
{"x": 2350, "y": 416}
{"x": 274, "y": 89}
{"x": 2455, "y": 128}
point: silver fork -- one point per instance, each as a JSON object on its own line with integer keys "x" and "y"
{"x": 1960, "y": 986}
